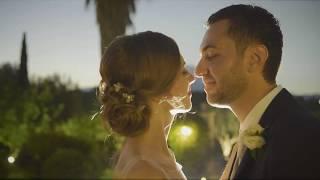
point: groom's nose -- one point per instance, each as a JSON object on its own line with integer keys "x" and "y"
{"x": 200, "y": 68}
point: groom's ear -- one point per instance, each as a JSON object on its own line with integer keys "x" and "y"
{"x": 257, "y": 55}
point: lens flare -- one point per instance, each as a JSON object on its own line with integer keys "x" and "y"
{"x": 186, "y": 131}
{"x": 11, "y": 159}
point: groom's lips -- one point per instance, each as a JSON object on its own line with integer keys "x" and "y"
{"x": 209, "y": 82}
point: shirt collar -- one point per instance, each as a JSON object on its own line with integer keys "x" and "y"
{"x": 257, "y": 111}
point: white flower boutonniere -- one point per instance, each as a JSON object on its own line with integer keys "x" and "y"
{"x": 252, "y": 138}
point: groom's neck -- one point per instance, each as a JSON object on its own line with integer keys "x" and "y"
{"x": 245, "y": 103}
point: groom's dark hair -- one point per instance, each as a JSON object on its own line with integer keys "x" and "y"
{"x": 249, "y": 24}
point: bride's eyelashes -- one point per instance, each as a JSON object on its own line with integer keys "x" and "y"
{"x": 185, "y": 72}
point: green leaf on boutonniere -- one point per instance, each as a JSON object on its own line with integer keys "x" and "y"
{"x": 255, "y": 152}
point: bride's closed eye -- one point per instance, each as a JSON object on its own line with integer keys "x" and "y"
{"x": 185, "y": 71}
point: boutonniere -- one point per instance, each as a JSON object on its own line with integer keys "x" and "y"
{"x": 252, "y": 138}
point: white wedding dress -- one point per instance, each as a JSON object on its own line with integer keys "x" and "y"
{"x": 170, "y": 168}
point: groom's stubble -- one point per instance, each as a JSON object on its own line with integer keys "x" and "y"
{"x": 231, "y": 86}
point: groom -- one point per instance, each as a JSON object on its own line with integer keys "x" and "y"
{"x": 240, "y": 56}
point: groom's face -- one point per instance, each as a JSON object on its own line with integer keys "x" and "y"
{"x": 221, "y": 66}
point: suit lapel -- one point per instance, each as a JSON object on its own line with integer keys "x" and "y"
{"x": 278, "y": 105}
{"x": 228, "y": 169}
{"x": 272, "y": 112}
{"x": 244, "y": 164}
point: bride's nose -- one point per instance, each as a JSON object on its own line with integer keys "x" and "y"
{"x": 192, "y": 79}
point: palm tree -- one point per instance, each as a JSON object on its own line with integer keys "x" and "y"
{"x": 113, "y": 16}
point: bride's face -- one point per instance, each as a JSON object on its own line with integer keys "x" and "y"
{"x": 180, "y": 93}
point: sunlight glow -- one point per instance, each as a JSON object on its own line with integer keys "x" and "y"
{"x": 186, "y": 131}
{"x": 183, "y": 136}
{"x": 11, "y": 159}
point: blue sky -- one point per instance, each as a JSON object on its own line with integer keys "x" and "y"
{"x": 63, "y": 36}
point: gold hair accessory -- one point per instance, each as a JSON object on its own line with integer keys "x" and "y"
{"x": 129, "y": 98}
{"x": 102, "y": 87}
{"x": 117, "y": 87}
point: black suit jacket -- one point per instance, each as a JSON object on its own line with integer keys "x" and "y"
{"x": 292, "y": 149}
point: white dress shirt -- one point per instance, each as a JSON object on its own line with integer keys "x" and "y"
{"x": 255, "y": 114}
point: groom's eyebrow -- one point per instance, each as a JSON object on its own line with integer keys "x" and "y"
{"x": 207, "y": 47}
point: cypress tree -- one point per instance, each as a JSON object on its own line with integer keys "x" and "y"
{"x": 23, "y": 70}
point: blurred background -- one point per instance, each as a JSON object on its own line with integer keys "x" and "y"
{"x": 49, "y": 59}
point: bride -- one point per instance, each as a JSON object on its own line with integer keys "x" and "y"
{"x": 144, "y": 84}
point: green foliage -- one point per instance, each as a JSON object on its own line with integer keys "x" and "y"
{"x": 47, "y": 102}
{"x": 198, "y": 136}
{"x": 68, "y": 163}
{"x": 225, "y": 129}
{"x": 226, "y": 124}
{"x": 4, "y": 165}
{"x": 193, "y": 154}
{"x": 52, "y": 155}
{"x": 47, "y": 127}
{"x": 91, "y": 130}
{"x": 84, "y": 128}
{"x": 214, "y": 131}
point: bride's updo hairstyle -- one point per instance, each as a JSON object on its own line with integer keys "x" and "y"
{"x": 134, "y": 69}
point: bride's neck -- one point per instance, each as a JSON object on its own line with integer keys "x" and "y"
{"x": 154, "y": 139}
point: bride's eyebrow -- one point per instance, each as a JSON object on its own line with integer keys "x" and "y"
{"x": 183, "y": 61}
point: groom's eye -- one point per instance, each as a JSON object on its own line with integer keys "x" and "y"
{"x": 209, "y": 54}
{"x": 210, "y": 57}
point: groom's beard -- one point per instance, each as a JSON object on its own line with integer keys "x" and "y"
{"x": 229, "y": 89}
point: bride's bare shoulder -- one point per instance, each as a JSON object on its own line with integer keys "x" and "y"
{"x": 144, "y": 169}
